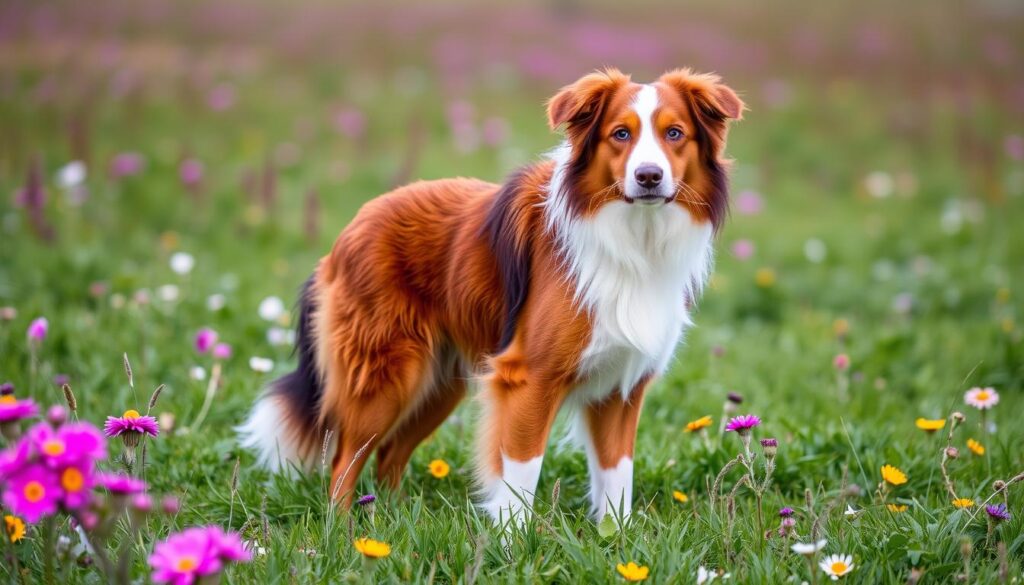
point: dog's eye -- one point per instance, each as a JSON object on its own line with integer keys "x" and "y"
{"x": 674, "y": 134}
{"x": 621, "y": 134}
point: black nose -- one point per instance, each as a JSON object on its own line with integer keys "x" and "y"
{"x": 649, "y": 176}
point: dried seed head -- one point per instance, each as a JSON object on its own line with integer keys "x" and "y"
{"x": 128, "y": 370}
{"x": 154, "y": 397}
{"x": 69, "y": 397}
{"x": 966, "y": 547}
{"x": 999, "y": 485}
{"x": 556, "y": 492}
{"x": 957, "y": 416}
{"x": 234, "y": 475}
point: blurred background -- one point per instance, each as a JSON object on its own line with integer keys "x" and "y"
{"x": 878, "y": 192}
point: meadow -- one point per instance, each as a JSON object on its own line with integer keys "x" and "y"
{"x": 170, "y": 173}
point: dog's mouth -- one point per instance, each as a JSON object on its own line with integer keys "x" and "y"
{"x": 649, "y": 198}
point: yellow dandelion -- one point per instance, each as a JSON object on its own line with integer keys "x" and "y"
{"x": 680, "y": 497}
{"x": 893, "y": 475}
{"x": 764, "y": 277}
{"x": 930, "y": 425}
{"x": 701, "y": 423}
{"x": 15, "y": 528}
{"x": 963, "y": 503}
{"x": 373, "y": 549}
{"x": 439, "y": 468}
{"x": 897, "y": 508}
{"x": 976, "y": 447}
{"x": 633, "y": 572}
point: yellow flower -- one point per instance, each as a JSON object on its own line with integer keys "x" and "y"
{"x": 975, "y": 447}
{"x": 840, "y": 327}
{"x": 764, "y": 277}
{"x": 680, "y": 497}
{"x": 930, "y": 425}
{"x": 632, "y": 572}
{"x": 15, "y": 528}
{"x": 897, "y": 508}
{"x": 893, "y": 475}
{"x": 696, "y": 425}
{"x": 374, "y": 549}
{"x": 439, "y": 468}
{"x": 963, "y": 502}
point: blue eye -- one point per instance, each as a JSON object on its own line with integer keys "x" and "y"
{"x": 674, "y": 134}
{"x": 621, "y": 134}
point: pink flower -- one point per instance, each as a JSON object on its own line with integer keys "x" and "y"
{"x": 841, "y": 362}
{"x": 76, "y": 483}
{"x": 749, "y": 203}
{"x": 69, "y": 444}
{"x": 120, "y": 484}
{"x": 743, "y": 423}
{"x": 743, "y": 249}
{"x": 191, "y": 172}
{"x": 229, "y": 545}
{"x": 12, "y": 409}
{"x": 38, "y": 329}
{"x": 205, "y": 339}
{"x": 32, "y": 493}
{"x": 350, "y": 122}
{"x": 221, "y": 97}
{"x": 126, "y": 164}
{"x": 222, "y": 351}
{"x": 195, "y": 552}
{"x": 130, "y": 427}
{"x": 13, "y": 459}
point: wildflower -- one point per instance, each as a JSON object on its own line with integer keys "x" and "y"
{"x": 193, "y": 553}
{"x": 71, "y": 175}
{"x": 38, "y": 329}
{"x": 32, "y": 493}
{"x": 701, "y": 423}
{"x": 271, "y": 309}
{"x": 998, "y": 512}
{"x": 68, "y": 444}
{"x": 981, "y": 398}
{"x": 222, "y": 351}
{"x": 769, "y": 446}
{"x": 370, "y": 548}
{"x": 786, "y": 527}
{"x": 15, "y": 528}
{"x": 897, "y": 508}
{"x": 261, "y": 364}
{"x": 841, "y": 362}
{"x": 367, "y": 499}
{"x": 197, "y": 373}
{"x": 205, "y": 339}
{"x": 930, "y": 425}
{"x": 734, "y": 397}
{"x": 808, "y": 548}
{"x": 976, "y": 447}
{"x": 893, "y": 475}
{"x": 130, "y": 427}
{"x": 850, "y": 511}
{"x": 278, "y": 336}
{"x": 963, "y": 503}
{"x": 764, "y": 277}
{"x": 743, "y": 249}
{"x": 680, "y": 497}
{"x": 121, "y": 484}
{"x": 182, "y": 263}
{"x": 191, "y": 172}
{"x": 13, "y": 410}
{"x": 836, "y": 566}
{"x": 633, "y": 572}
{"x": 708, "y": 575}
{"x": 126, "y": 164}
{"x": 439, "y": 468}
{"x": 743, "y": 423}
{"x": 215, "y": 302}
{"x": 786, "y": 512}
{"x": 168, "y": 293}
{"x": 952, "y": 452}
{"x": 170, "y": 505}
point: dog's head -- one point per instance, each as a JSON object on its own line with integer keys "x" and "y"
{"x": 657, "y": 144}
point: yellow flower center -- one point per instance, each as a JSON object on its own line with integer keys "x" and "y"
{"x": 982, "y": 396}
{"x": 838, "y": 567}
{"x": 34, "y": 491}
{"x": 8, "y": 399}
{"x": 72, "y": 480}
{"x": 185, "y": 564}
{"x": 131, "y": 414}
{"x": 54, "y": 447}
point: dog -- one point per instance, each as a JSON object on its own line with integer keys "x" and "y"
{"x": 569, "y": 286}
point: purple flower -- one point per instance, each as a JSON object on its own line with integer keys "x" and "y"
{"x": 767, "y": 443}
{"x": 191, "y": 172}
{"x": 734, "y": 397}
{"x": 743, "y": 249}
{"x": 70, "y": 444}
{"x": 205, "y": 339}
{"x": 998, "y": 512}
{"x": 32, "y": 493}
{"x": 749, "y": 203}
{"x": 130, "y": 427}
{"x": 126, "y": 164}
{"x": 222, "y": 351}
{"x": 786, "y": 512}
{"x": 743, "y": 423}
{"x": 38, "y": 329}
{"x": 121, "y": 484}
{"x": 367, "y": 499}
{"x": 12, "y": 409}
{"x": 195, "y": 552}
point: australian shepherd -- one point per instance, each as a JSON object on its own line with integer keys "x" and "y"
{"x": 568, "y": 286}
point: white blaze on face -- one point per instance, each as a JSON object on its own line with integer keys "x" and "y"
{"x": 648, "y": 149}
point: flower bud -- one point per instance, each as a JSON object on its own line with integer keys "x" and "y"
{"x": 56, "y": 415}
{"x": 952, "y": 452}
{"x": 170, "y": 505}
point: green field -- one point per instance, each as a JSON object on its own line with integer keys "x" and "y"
{"x": 890, "y": 231}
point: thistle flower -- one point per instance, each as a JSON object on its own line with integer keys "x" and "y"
{"x": 734, "y": 397}
{"x": 981, "y": 398}
{"x": 998, "y": 512}
{"x": 15, "y": 528}
{"x": 976, "y": 447}
{"x": 770, "y": 447}
{"x": 439, "y": 468}
{"x": 893, "y": 475}
{"x": 835, "y": 566}
{"x": 38, "y": 329}
{"x": 742, "y": 424}
{"x": 633, "y": 572}
{"x": 370, "y": 548}
{"x": 130, "y": 427}
{"x": 930, "y": 425}
{"x": 701, "y": 423}
{"x": 786, "y": 512}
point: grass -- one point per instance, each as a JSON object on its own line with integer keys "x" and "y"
{"x": 928, "y": 281}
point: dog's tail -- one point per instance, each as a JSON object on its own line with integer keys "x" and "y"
{"x": 284, "y": 427}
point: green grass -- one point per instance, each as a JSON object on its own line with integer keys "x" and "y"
{"x": 774, "y": 345}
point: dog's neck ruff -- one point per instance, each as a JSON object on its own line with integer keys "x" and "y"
{"x": 634, "y": 268}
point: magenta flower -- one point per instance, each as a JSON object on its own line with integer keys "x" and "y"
{"x": 228, "y": 545}
{"x": 12, "y": 409}
{"x": 205, "y": 339}
{"x": 32, "y": 493}
{"x": 743, "y": 423}
{"x": 786, "y": 512}
{"x": 120, "y": 484}
{"x": 222, "y": 351}
{"x": 69, "y": 444}
{"x": 38, "y": 329}
{"x": 13, "y": 459}
{"x": 130, "y": 427}
{"x": 126, "y": 164}
{"x": 841, "y": 362}
{"x": 191, "y": 172}
{"x": 195, "y": 552}
{"x": 76, "y": 483}
{"x": 367, "y": 499}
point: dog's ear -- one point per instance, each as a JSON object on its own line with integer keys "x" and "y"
{"x": 577, "y": 105}
{"x": 713, "y": 98}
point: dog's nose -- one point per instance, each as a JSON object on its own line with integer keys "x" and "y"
{"x": 648, "y": 175}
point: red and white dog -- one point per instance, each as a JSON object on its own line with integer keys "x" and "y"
{"x": 569, "y": 285}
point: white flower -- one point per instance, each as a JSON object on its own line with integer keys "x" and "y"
{"x": 254, "y": 547}
{"x": 168, "y": 293}
{"x": 215, "y": 302}
{"x": 71, "y": 175}
{"x": 280, "y": 336}
{"x": 850, "y": 512}
{"x": 271, "y": 308}
{"x": 808, "y": 548}
{"x": 879, "y": 184}
{"x": 705, "y": 576}
{"x": 117, "y": 301}
{"x": 182, "y": 262}
{"x": 981, "y": 398}
{"x": 197, "y": 373}
{"x": 836, "y": 566}
{"x": 261, "y": 364}
{"x": 815, "y": 250}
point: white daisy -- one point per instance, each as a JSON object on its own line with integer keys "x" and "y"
{"x": 271, "y": 308}
{"x": 261, "y": 364}
{"x": 182, "y": 262}
{"x": 981, "y": 398}
{"x": 836, "y": 566}
{"x": 808, "y": 548}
